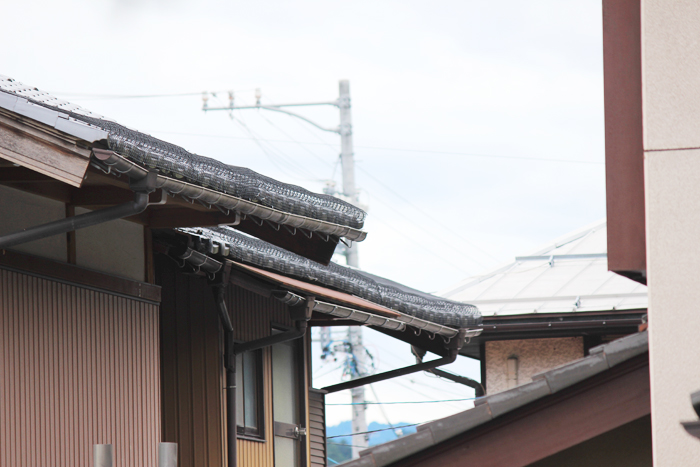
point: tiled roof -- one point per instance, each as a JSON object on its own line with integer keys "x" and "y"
{"x": 490, "y": 407}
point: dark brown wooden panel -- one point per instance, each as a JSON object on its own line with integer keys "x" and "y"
{"x": 624, "y": 145}
{"x": 550, "y": 425}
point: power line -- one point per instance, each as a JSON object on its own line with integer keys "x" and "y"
{"x": 97, "y": 96}
{"x": 384, "y": 148}
{"x": 375, "y": 431}
{"x": 414, "y": 402}
{"x": 428, "y": 215}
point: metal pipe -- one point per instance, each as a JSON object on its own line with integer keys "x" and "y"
{"x": 449, "y": 358}
{"x": 230, "y": 367}
{"x": 478, "y": 388}
{"x": 453, "y": 347}
{"x": 137, "y": 206}
{"x": 103, "y": 455}
{"x": 167, "y": 455}
{"x": 298, "y": 331}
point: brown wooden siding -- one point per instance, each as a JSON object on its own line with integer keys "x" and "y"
{"x": 253, "y": 316}
{"x": 317, "y": 428}
{"x": 79, "y": 367}
{"x": 191, "y": 367}
{"x": 192, "y": 371}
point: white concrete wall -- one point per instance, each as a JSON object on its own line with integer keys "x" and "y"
{"x": 671, "y": 104}
{"x": 115, "y": 247}
{"x": 534, "y": 356}
{"x": 20, "y": 210}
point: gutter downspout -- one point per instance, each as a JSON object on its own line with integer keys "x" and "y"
{"x": 219, "y": 290}
{"x": 141, "y": 187}
{"x": 453, "y": 348}
{"x": 478, "y": 388}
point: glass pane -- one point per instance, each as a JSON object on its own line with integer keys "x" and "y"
{"x": 250, "y": 389}
{"x": 239, "y": 390}
{"x": 284, "y": 397}
{"x": 285, "y": 452}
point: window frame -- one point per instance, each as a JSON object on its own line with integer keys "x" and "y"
{"x": 242, "y": 431}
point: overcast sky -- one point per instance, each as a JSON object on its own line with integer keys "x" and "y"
{"x": 478, "y": 125}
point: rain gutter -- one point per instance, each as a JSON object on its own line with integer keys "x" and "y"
{"x": 114, "y": 162}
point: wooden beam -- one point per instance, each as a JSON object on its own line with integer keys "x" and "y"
{"x": 22, "y": 174}
{"x": 35, "y": 265}
{"x": 42, "y": 152}
{"x": 550, "y": 425}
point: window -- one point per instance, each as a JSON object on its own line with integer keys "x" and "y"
{"x": 249, "y": 398}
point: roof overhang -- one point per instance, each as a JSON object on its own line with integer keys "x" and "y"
{"x": 554, "y": 325}
{"x": 41, "y": 155}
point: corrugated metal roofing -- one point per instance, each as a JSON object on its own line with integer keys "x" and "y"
{"x": 568, "y": 275}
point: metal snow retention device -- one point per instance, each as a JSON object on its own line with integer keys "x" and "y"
{"x": 414, "y": 307}
{"x": 207, "y": 192}
{"x": 113, "y": 161}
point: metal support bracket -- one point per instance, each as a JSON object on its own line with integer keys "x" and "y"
{"x": 452, "y": 347}
{"x": 300, "y": 315}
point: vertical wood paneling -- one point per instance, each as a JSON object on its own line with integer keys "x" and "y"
{"x": 79, "y": 367}
{"x": 191, "y": 368}
{"x": 192, "y": 377}
{"x": 317, "y": 428}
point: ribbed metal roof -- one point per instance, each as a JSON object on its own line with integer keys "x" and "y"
{"x": 568, "y": 275}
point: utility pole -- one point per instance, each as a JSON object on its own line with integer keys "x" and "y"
{"x": 359, "y": 421}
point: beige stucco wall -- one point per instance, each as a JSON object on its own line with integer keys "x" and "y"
{"x": 534, "y": 356}
{"x": 115, "y": 247}
{"x": 671, "y": 74}
{"x": 673, "y": 266}
{"x": 20, "y": 210}
{"x": 671, "y": 105}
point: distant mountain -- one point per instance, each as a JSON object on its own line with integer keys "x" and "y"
{"x": 374, "y": 438}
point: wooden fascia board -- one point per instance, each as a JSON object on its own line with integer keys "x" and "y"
{"x": 550, "y": 425}
{"x": 43, "y": 150}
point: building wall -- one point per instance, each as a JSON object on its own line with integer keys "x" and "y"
{"x": 115, "y": 247}
{"x": 192, "y": 369}
{"x": 19, "y": 210}
{"x": 533, "y": 356}
{"x": 671, "y": 102}
{"x": 78, "y": 367}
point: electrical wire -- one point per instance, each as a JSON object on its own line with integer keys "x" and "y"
{"x": 381, "y": 409}
{"x": 408, "y": 402}
{"x": 428, "y": 215}
{"x": 384, "y": 148}
{"x": 375, "y": 431}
